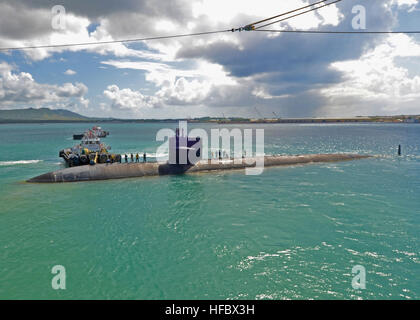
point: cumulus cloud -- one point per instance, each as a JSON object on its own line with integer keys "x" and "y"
{"x": 127, "y": 99}
{"x": 375, "y": 82}
{"x": 70, "y": 72}
{"x": 25, "y": 23}
{"x": 19, "y": 88}
{"x": 176, "y": 86}
{"x": 161, "y": 73}
{"x": 180, "y": 92}
{"x": 409, "y": 3}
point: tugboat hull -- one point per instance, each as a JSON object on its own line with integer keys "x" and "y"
{"x": 78, "y": 136}
{"x": 74, "y": 160}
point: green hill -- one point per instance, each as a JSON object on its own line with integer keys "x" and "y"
{"x": 43, "y": 114}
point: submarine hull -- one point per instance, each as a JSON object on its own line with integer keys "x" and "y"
{"x": 136, "y": 170}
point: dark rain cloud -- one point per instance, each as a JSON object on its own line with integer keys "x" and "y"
{"x": 290, "y": 57}
{"x": 100, "y": 8}
{"x": 125, "y": 17}
{"x": 297, "y": 65}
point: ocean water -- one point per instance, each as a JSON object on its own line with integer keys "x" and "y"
{"x": 290, "y": 233}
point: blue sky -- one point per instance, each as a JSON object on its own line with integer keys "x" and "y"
{"x": 294, "y": 75}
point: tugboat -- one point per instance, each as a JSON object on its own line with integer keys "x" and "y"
{"x": 96, "y": 130}
{"x": 89, "y": 151}
{"x": 78, "y": 136}
{"x": 99, "y": 132}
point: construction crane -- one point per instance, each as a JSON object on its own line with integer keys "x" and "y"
{"x": 259, "y": 113}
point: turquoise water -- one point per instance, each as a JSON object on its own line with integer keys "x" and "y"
{"x": 290, "y": 233}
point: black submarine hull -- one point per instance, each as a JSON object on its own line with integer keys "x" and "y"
{"x": 137, "y": 170}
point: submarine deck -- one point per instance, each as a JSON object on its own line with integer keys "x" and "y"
{"x": 136, "y": 170}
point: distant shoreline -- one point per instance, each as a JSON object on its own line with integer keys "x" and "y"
{"x": 221, "y": 121}
{"x": 46, "y": 115}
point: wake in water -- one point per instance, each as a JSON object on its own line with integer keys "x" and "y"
{"x": 18, "y": 162}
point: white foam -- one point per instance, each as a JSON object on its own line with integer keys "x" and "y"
{"x": 18, "y": 162}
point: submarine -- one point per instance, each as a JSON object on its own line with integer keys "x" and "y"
{"x": 184, "y": 157}
{"x": 137, "y": 170}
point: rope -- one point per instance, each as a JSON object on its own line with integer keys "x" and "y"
{"x": 298, "y": 14}
{"x": 339, "y": 32}
{"x": 113, "y": 41}
{"x": 283, "y": 14}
